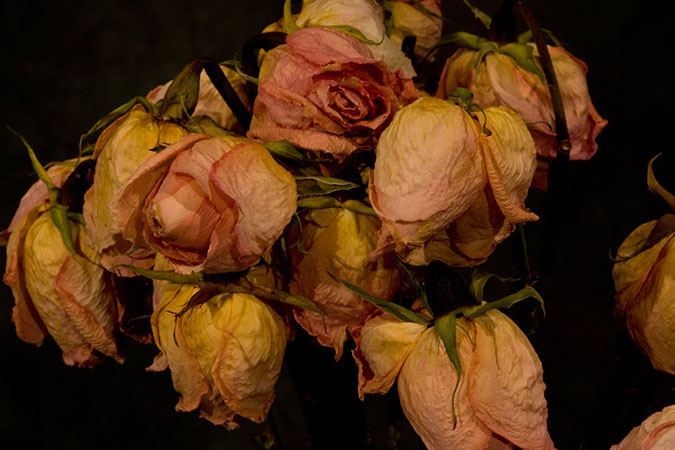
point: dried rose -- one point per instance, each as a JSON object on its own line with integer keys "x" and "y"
{"x": 419, "y": 19}
{"x": 500, "y": 395}
{"x": 657, "y": 432}
{"x": 225, "y": 355}
{"x": 66, "y": 295}
{"x": 644, "y": 278}
{"x": 324, "y": 91}
{"x": 207, "y": 204}
{"x": 446, "y": 188}
{"x": 338, "y": 241}
{"x": 499, "y": 80}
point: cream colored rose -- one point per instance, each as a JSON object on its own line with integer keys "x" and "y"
{"x": 657, "y": 432}
{"x": 409, "y": 19}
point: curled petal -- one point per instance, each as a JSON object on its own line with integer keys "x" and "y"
{"x": 656, "y": 432}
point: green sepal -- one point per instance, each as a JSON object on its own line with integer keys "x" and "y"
{"x": 289, "y": 24}
{"x": 284, "y": 149}
{"x": 462, "y": 39}
{"x": 114, "y": 115}
{"x": 238, "y": 67}
{"x": 446, "y": 326}
{"x": 207, "y": 126}
{"x": 59, "y": 214}
{"x": 355, "y": 32}
{"x": 524, "y": 57}
{"x": 505, "y": 302}
{"x": 359, "y": 207}
{"x": 195, "y": 278}
{"x": 478, "y": 281}
{"x": 419, "y": 289}
{"x": 400, "y": 312}
{"x": 656, "y": 188}
{"x": 318, "y": 202}
{"x": 484, "y": 49}
{"x": 463, "y": 95}
{"x": 282, "y": 296}
{"x": 183, "y": 93}
{"x": 480, "y": 15}
{"x": 526, "y": 36}
{"x": 77, "y": 217}
{"x": 316, "y": 185}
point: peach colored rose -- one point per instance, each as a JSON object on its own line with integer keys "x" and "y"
{"x": 324, "y": 91}
{"x": 408, "y": 19}
{"x": 499, "y": 80}
{"x": 657, "y": 432}
{"x": 338, "y": 241}
{"x": 207, "y": 204}
{"x": 500, "y": 397}
{"x": 68, "y": 296}
{"x": 225, "y": 355}
{"x": 445, "y": 189}
{"x": 120, "y": 150}
{"x": 644, "y": 278}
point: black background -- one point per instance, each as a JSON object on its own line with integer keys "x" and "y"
{"x": 65, "y": 64}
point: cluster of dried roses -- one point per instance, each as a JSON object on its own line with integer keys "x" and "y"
{"x": 228, "y": 218}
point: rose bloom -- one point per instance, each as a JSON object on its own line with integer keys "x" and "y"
{"x": 324, "y": 91}
{"x": 225, "y": 355}
{"x": 207, "y": 204}
{"x": 500, "y": 397}
{"x": 338, "y": 241}
{"x": 657, "y": 432}
{"x": 68, "y": 296}
{"x": 444, "y": 189}
{"x": 408, "y": 19}
{"x": 499, "y": 80}
{"x": 644, "y": 278}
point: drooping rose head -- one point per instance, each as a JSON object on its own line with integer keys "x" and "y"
{"x": 421, "y": 20}
{"x": 339, "y": 241}
{"x": 445, "y": 188}
{"x": 225, "y": 355}
{"x": 499, "y": 80}
{"x": 208, "y": 204}
{"x": 324, "y": 91}
{"x": 66, "y": 295}
{"x": 644, "y": 279}
{"x": 120, "y": 150}
{"x": 500, "y": 396}
{"x": 657, "y": 432}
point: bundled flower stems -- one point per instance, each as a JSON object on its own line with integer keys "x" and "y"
{"x": 314, "y": 186}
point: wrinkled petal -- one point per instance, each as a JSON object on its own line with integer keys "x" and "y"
{"x": 409, "y": 20}
{"x": 657, "y": 432}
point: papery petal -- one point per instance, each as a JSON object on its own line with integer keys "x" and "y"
{"x": 506, "y": 387}
{"x": 657, "y": 432}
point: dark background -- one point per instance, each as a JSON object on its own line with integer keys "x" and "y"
{"x": 65, "y": 64}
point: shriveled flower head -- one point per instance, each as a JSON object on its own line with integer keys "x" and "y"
{"x": 324, "y": 91}
{"x": 657, "y": 432}
{"x": 122, "y": 147}
{"x": 338, "y": 241}
{"x": 449, "y": 186}
{"x": 499, "y": 80}
{"x": 644, "y": 278}
{"x": 208, "y": 204}
{"x": 225, "y": 355}
{"x": 500, "y": 395}
{"x": 66, "y": 295}
{"x": 419, "y": 19}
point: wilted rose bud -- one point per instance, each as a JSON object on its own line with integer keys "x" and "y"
{"x": 207, "y": 204}
{"x": 499, "y": 80}
{"x": 324, "y": 91}
{"x": 448, "y": 185}
{"x": 211, "y": 103}
{"x": 225, "y": 355}
{"x": 66, "y": 295}
{"x": 338, "y": 241}
{"x": 500, "y": 396}
{"x": 120, "y": 150}
{"x": 644, "y": 278}
{"x": 419, "y": 19}
{"x": 657, "y": 432}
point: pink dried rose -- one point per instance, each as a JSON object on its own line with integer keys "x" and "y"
{"x": 225, "y": 355}
{"x": 324, "y": 91}
{"x": 445, "y": 188}
{"x": 338, "y": 241}
{"x": 422, "y": 19}
{"x": 68, "y": 296}
{"x": 657, "y": 432}
{"x": 500, "y": 396}
{"x": 207, "y": 204}
{"x": 644, "y": 278}
{"x": 499, "y": 80}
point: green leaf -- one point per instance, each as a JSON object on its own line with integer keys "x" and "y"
{"x": 524, "y": 37}
{"x": 419, "y": 289}
{"x": 59, "y": 214}
{"x": 505, "y": 302}
{"x": 183, "y": 93}
{"x": 478, "y": 281}
{"x": 480, "y": 15}
{"x": 167, "y": 275}
{"x": 77, "y": 217}
{"x": 284, "y": 297}
{"x": 318, "y": 202}
{"x": 656, "y": 188}
{"x": 446, "y": 326}
{"x": 394, "y": 309}
{"x": 359, "y": 207}
{"x": 462, "y": 39}
{"x": 37, "y": 167}
{"x": 285, "y": 150}
{"x": 355, "y": 32}
{"x": 524, "y": 57}
{"x": 316, "y": 185}
{"x": 289, "y": 24}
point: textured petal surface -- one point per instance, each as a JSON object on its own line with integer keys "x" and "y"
{"x": 657, "y": 432}
{"x": 408, "y": 20}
